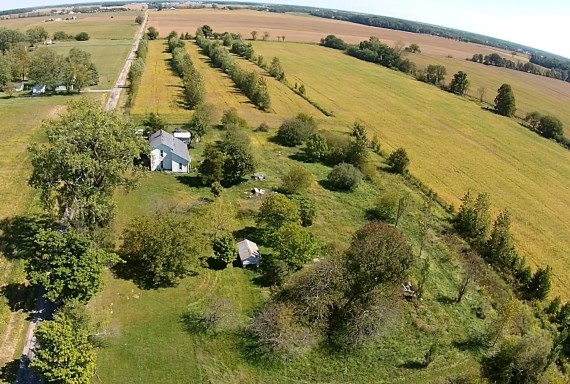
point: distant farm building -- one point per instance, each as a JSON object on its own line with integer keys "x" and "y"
{"x": 38, "y": 89}
{"x": 168, "y": 153}
{"x": 248, "y": 253}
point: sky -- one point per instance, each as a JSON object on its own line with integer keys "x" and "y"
{"x": 540, "y": 24}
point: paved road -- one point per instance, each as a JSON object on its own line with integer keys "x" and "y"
{"x": 122, "y": 80}
{"x": 43, "y": 309}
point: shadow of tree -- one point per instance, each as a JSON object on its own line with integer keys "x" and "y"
{"x": 194, "y": 323}
{"x": 413, "y": 364}
{"x": 254, "y": 234}
{"x": 190, "y": 181}
{"x": 9, "y": 372}
{"x": 445, "y": 299}
{"x": 19, "y": 296}
{"x": 18, "y": 232}
{"x": 215, "y": 264}
{"x": 141, "y": 276}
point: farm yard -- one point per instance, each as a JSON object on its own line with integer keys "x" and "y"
{"x": 204, "y": 327}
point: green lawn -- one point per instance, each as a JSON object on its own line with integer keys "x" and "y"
{"x": 109, "y": 57}
{"x": 146, "y": 339}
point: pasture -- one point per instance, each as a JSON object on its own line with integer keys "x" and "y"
{"x": 454, "y": 144}
{"x": 108, "y": 56}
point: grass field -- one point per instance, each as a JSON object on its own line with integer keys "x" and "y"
{"x": 146, "y": 338}
{"x": 108, "y": 56}
{"x": 453, "y": 143}
{"x": 161, "y": 90}
{"x": 101, "y": 26}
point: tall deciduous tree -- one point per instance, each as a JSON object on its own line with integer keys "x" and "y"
{"x": 459, "y": 84}
{"x": 68, "y": 266}
{"x": 505, "y": 101}
{"x": 90, "y": 152}
{"x": 295, "y": 245}
{"x": 46, "y": 68}
{"x": 36, "y": 34}
{"x": 161, "y": 249}
{"x": 399, "y": 161}
{"x": 276, "y": 211}
{"x": 65, "y": 354}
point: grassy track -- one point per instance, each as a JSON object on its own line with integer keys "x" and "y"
{"x": 161, "y": 90}
{"x": 453, "y": 144}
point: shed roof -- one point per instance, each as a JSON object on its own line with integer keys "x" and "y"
{"x": 178, "y": 147}
{"x": 247, "y": 249}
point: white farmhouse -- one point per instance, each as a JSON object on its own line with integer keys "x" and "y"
{"x": 168, "y": 153}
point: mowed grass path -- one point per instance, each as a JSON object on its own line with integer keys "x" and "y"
{"x": 161, "y": 89}
{"x": 453, "y": 144}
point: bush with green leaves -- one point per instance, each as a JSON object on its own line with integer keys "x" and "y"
{"x": 232, "y": 118}
{"x": 399, "y": 161}
{"x": 307, "y": 209}
{"x": 294, "y": 132}
{"x": 316, "y": 148}
{"x": 276, "y": 211}
{"x": 296, "y": 180}
{"x": 224, "y": 247}
{"x": 295, "y": 245}
{"x": 344, "y": 177}
{"x": 385, "y": 207}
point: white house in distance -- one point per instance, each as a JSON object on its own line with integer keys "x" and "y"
{"x": 168, "y": 153}
{"x": 38, "y": 89}
{"x": 248, "y": 253}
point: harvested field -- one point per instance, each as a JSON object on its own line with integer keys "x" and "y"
{"x": 454, "y": 145}
{"x": 305, "y": 29}
{"x": 104, "y": 26}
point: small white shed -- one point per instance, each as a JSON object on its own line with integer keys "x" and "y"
{"x": 248, "y": 253}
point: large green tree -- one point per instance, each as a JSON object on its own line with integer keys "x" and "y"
{"x": 505, "y": 101}
{"x": 47, "y": 68}
{"x": 68, "y": 265}
{"x": 36, "y": 34}
{"x": 90, "y": 152}
{"x": 550, "y": 127}
{"x": 65, "y": 354}
{"x": 276, "y": 211}
{"x": 161, "y": 249}
{"x": 295, "y": 245}
{"x": 459, "y": 84}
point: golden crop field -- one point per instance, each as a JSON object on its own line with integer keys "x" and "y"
{"x": 532, "y": 92}
{"x": 454, "y": 145}
{"x": 161, "y": 88}
{"x": 307, "y": 29}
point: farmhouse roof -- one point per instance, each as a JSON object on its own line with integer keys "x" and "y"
{"x": 247, "y": 249}
{"x": 162, "y": 137}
